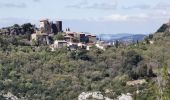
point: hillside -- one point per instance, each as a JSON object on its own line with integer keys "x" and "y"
{"x": 36, "y": 73}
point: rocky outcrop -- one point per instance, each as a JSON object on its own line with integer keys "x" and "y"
{"x": 10, "y": 96}
{"x": 92, "y": 95}
{"x": 165, "y": 29}
{"x": 136, "y": 82}
{"x": 125, "y": 97}
{"x": 99, "y": 96}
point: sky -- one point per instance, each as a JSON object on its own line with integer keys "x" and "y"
{"x": 94, "y": 16}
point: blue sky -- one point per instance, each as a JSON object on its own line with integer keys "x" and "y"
{"x": 96, "y": 16}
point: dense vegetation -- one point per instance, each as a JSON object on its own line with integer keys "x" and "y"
{"x": 35, "y": 72}
{"x": 24, "y": 29}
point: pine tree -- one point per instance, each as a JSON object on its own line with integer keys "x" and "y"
{"x": 117, "y": 44}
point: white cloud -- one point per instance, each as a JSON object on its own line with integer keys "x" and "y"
{"x": 116, "y": 17}
{"x": 162, "y": 6}
{"x": 138, "y": 6}
{"x": 156, "y": 15}
{"x": 87, "y": 4}
{"x": 119, "y": 17}
{"x": 13, "y": 5}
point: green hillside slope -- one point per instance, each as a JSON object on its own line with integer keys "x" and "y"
{"x": 37, "y": 73}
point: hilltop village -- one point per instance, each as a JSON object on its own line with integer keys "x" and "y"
{"x": 52, "y": 34}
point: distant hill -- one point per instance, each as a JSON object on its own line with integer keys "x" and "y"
{"x": 121, "y": 37}
{"x": 137, "y": 37}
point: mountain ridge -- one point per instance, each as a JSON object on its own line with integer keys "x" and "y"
{"x": 126, "y": 37}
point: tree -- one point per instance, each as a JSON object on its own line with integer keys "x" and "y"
{"x": 150, "y": 72}
{"x": 68, "y": 29}
{"x": 166, "y": 90}
{"x": 160, "y": 90}
{"x": 147, "y": 40}
{"x": 116, "y": 43}
{"x": 132, "y": 58}
{"x": 142, "y": 71}
{"x": 137, "y": 42}
{"x": 27, "y": 30}
{"x": 150, "y": 36}
{"x": 59, "y": 36}
{"x": 16, "y": 26}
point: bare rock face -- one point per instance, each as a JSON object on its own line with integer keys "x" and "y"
{"x": 125, "y": 97}
{"x": 10, "y": 96}
{"x": 136, "y": 82}
{"x": 165, "y": 28}
{"x": 99, "y": 96}
{"x": 92, "y": 95}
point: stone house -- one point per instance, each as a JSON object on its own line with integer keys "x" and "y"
{"x": 60, "y": 43}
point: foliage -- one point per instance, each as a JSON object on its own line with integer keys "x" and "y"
{"x": 59, "y": 36}
{"x": 35, "y": 72}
